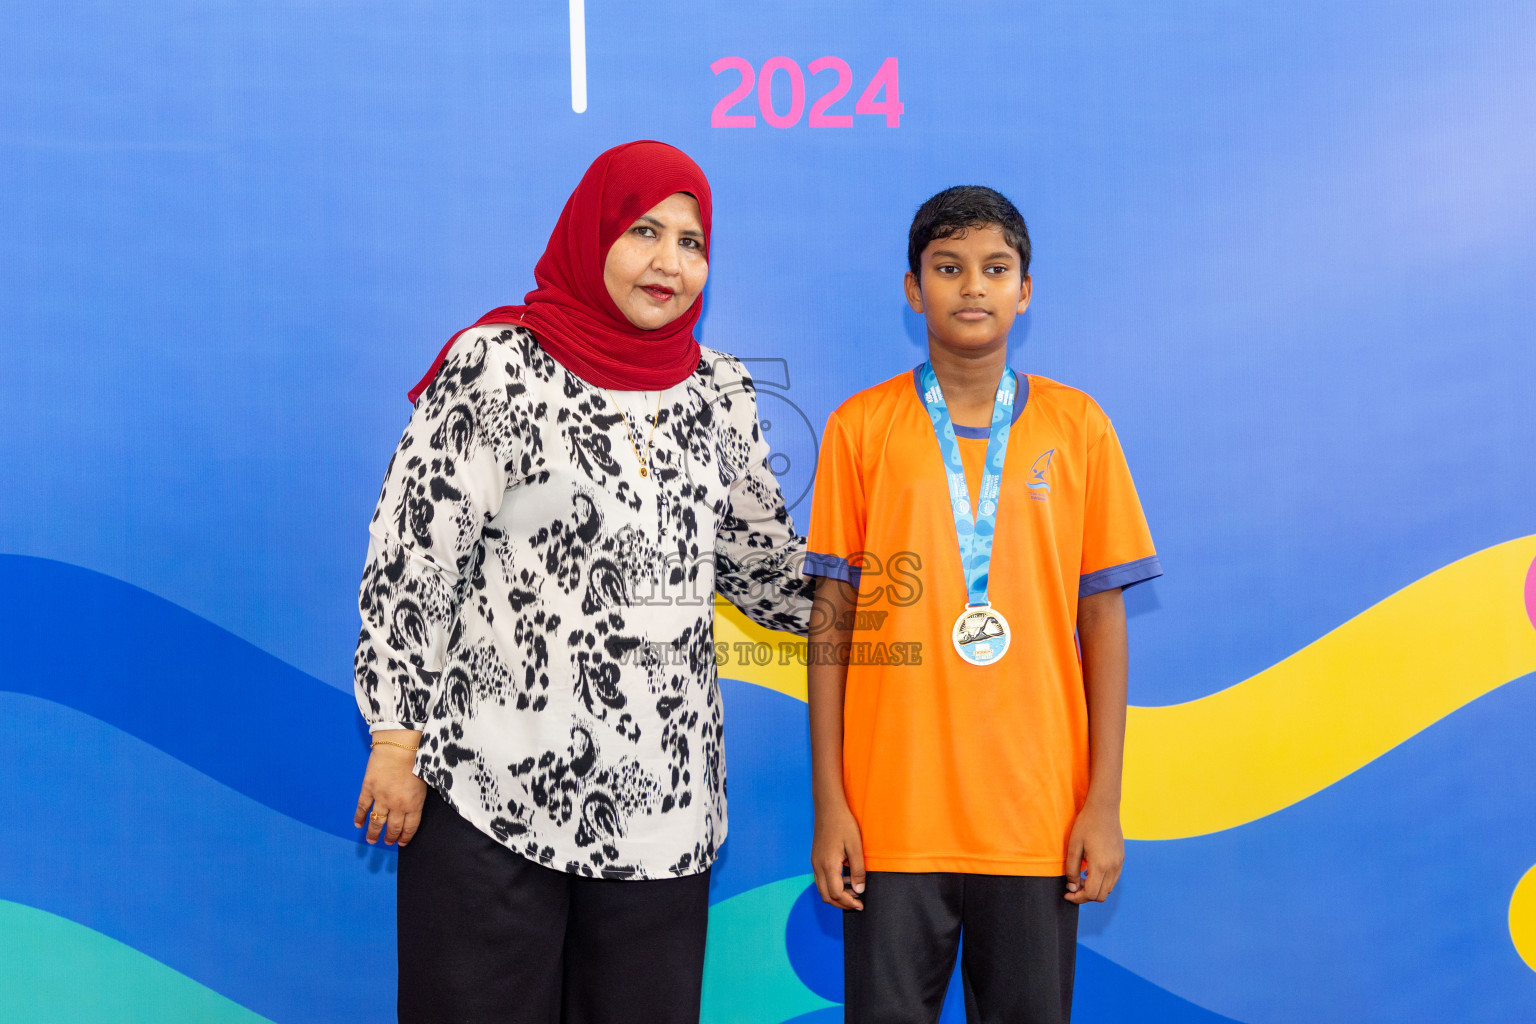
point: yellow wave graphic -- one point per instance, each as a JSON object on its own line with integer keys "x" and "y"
{"x": 1301, "y": 725}
{"x": 746, "y": 645}
{"x": 1333, "y": 706}
{"x": 1522, "y": 918}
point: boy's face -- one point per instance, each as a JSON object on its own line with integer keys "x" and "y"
{"x": 969, "y": 288}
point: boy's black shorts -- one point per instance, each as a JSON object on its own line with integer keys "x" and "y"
{"x": 1019, "y": 955}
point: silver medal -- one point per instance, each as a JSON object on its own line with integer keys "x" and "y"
{"x": 981, "y": 635}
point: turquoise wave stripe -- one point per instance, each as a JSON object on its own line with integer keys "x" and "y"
{"x": 53, "y": 970}
{"x": 107, "y": 831}
{"x": 184, "y": 685}
{"x": 748, "y": 978}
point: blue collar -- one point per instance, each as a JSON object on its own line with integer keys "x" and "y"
{"x": 978, "y": 433}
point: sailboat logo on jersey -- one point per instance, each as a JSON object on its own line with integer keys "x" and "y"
{"x": 1039, "y": 486}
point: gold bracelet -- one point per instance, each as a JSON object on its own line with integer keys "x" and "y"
{"x": 392, "y": 743}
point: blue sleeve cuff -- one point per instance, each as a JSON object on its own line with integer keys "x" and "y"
{"x": 1127, "y": 574}
{"x": 832, "y": 567}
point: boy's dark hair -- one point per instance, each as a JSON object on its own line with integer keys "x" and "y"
{"x": 966, "y": 206}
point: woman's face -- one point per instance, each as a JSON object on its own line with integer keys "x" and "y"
{"x": 657, "y": 268}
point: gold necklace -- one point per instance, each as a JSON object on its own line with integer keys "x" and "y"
{"x": 642, "y": 459}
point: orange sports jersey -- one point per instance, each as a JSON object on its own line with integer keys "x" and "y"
{"x": 950, "y": 766}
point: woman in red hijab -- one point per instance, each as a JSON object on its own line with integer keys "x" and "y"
{"x": 536, "y": 663}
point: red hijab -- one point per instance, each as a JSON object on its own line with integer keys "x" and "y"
{"x": 570, "y": 310}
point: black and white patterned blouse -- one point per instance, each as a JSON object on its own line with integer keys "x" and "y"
{"x": 544, "y": 613}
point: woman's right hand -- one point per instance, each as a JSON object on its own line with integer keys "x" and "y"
{"x": 837, "y": 841}
{"x": 391, "y": 788}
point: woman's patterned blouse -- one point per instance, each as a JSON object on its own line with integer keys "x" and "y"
{"x": 544, "y": 613}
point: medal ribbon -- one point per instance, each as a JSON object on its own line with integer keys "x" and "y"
{"x": 974, "y": 531}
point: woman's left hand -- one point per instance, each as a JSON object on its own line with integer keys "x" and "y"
{"x": 391, "y": 788}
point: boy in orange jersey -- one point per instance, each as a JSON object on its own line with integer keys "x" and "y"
{"x": 976, "y": 791}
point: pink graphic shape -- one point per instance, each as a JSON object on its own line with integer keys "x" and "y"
{"x": 1530, "y": 594}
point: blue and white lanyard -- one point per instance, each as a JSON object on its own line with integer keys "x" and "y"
{"x": 973, "y": 531}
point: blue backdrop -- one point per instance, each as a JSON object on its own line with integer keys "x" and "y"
{"x": 1290, "y": 248}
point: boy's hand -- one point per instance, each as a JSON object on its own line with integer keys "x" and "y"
{"x": 1097, "y": 839}
{"x": 837, "y": 842}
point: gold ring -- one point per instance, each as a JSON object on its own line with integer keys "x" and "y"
{"x": 379, "y": 816}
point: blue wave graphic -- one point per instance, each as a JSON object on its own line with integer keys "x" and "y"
{"x": 1382, "y": 898}
{"x": 182, "y": 684}
{"x": 199, "y": 768}
{"x": 288, "y": 740}
{"x": 768, "y": 786}
{"x": 108, "y": 832}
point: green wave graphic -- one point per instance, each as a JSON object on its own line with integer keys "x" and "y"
{"x": 54, "y": 971}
